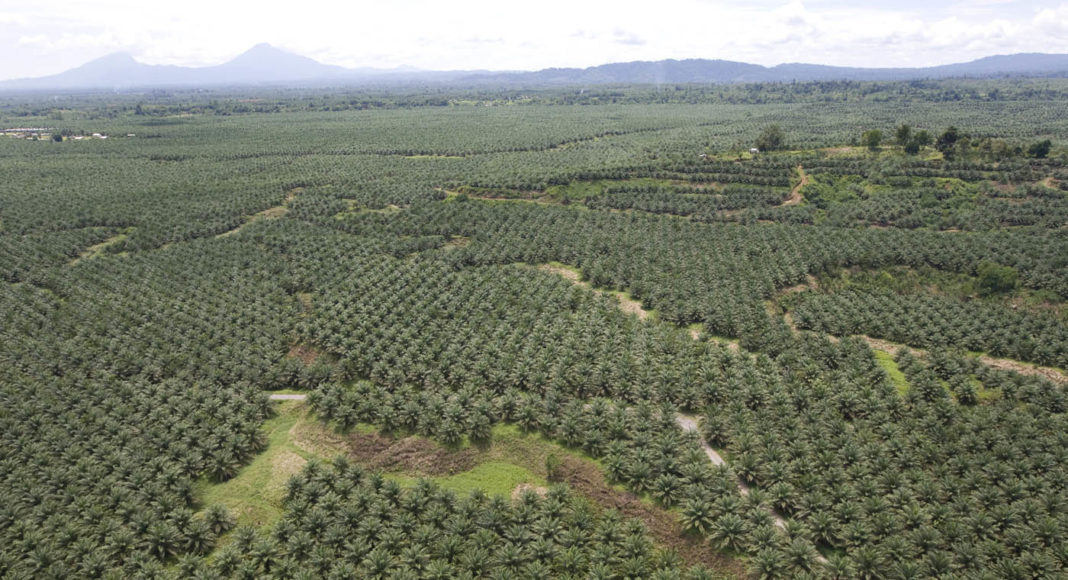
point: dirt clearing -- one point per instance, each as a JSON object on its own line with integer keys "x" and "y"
{"x": 304, "y": 353}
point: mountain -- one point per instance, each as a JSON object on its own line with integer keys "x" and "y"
{"x": 724, "y": 71}
{"x": 639, "y": 72}
{"x": 265, "y": 64}
{"x": 262, "y": 64}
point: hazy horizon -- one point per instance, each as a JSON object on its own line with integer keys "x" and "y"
{"x": 52, "y": 36}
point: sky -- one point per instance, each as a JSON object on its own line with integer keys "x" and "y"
{"x": 43, "y": 37}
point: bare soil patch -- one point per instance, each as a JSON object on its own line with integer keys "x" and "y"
{"x": 632, "y": 307}
{"x": 891, "y": 347}
{"x": 456, "y": 242}
{"x": 1052, "y": 374}
{"x": 410, "y": 454}
{"x": 98, "y": 249}
{"x": 523, "y": 488}
{"x": 564, "y": 272}
{"x": 305, "y": 353}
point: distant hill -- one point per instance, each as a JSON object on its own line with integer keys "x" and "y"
{"x": 724, "y": 71}
{"x": 264, "y": 64}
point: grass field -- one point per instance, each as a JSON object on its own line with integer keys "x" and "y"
{"x": 886, "y": 361}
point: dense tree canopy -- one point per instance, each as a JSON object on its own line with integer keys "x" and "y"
{"x": 408, "y": 260}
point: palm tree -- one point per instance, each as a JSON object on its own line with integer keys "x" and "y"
{"x": 800, "y": 555}
{"x": 730, "y": 532}
{"x": 571, "y": 561}
{"x": 162, "y": 539}
{"x": 377, "y": 564}
{"x": 697, "y": 515}
{"x": 839, "y": 567}
{"x": 769, "y": 564}
{"x": 666, "y": 489}
{"x": 219, "y": 519}
{"x": 867, "y": 562}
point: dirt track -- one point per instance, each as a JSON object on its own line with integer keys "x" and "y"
{"x": 795, "y": 193}
{"x": 284, "y": 397}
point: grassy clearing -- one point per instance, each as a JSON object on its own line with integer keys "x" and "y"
{"x": 294, "y": 437}
{"x": 886, "y": 360}
{"x": 492, "y": 477}
{"x": 99, "y": 249}
{"x": 255, "y": 495}
{"x": 513, "y": 460}
{"x": 270, "y": 213}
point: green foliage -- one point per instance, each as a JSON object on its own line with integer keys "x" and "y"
{"x": 872, "y": 139}
{"x": 1040, "y": 150}
{"x": 552, "y": 468}
{"x": 903, "y": 134}
{"x": 947, "y": 142}
{"x": 914, "y": 143}
{"x": 995, "y": 278}
{"x": 771, "y": 138}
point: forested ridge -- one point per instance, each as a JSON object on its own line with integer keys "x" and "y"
{"x": 385, "y": 260}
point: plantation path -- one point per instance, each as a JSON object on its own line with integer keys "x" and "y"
{"x": 286, "y": 397}
{"x": 689, "y": 424}
{"x": 267, "y": 214}
{"x": 626, "y": 304}
{"x": 794, "y": 199}
{"x": 98, "y": 249}
{"x": 795, "y": 193}
{"x": 1005, "y": 364}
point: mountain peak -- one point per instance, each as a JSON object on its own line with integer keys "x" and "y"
{"x": 267, "y": 63}
{"x": 264, "y": 51}
{"x": 264, "y": 48}
{"x": 115, "y": 59}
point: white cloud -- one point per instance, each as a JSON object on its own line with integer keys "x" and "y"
{"x": 51, "y": 35}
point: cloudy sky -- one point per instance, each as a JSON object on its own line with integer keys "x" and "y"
{"x": 41, "y": 37}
